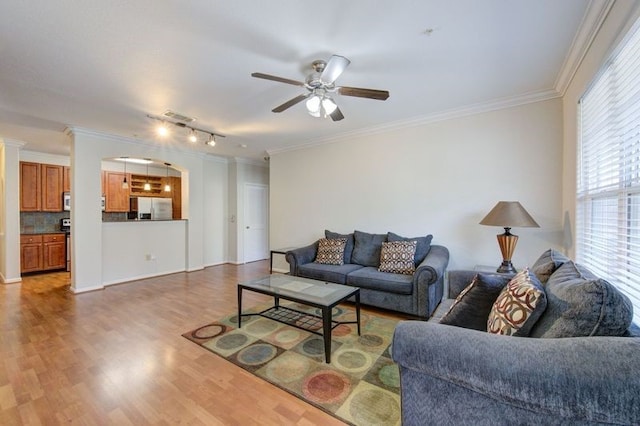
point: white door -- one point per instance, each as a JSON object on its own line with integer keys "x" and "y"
{"x": 256, "y": 206}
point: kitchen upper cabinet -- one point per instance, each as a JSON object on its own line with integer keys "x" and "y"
{"x": 30, "y": 253}
{"x": 116, "y": 198}
{"x": 176, "y": 196}
{"x": 54, "y": 251}
{"x": 52, "y": 180}
{"x": 66, "y": 179}
{"x": 40, "y": 187}
{"x": 30, "y": 186}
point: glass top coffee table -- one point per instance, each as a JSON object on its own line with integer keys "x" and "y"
{"x": 318, "y": 294}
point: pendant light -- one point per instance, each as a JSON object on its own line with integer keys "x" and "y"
{"x": 167, "y": 187}
{"x": 147, "y": 185}
{"x": 125, "y": 184}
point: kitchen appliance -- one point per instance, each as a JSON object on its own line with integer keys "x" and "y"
{"x": 66, "y": 201}
{"x": 65, "y": 226}
{"x": 155, "y": 208}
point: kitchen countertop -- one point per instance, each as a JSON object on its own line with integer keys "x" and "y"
{"x": 43, "y": 232}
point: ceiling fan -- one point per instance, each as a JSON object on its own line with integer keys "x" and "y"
{"x": 321, "y": 86}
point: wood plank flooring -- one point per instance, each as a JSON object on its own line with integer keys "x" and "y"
{"x": 116, "y": 356}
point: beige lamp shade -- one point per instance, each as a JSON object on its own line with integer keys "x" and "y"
{"x": 508, "y": 214}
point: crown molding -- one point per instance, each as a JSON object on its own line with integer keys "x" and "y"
{"x": 250, "y": 161}
{"x": 12, "y": 142}
{"x": 494, "y": 105}
{"x": 592, "y": 21}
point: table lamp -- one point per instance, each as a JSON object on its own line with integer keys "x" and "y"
{"x": 508, "y": 214}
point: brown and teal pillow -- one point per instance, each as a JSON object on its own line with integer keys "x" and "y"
{"x": 397, "y": 257}
{"x": 348, "y": 248}
{"x": 331, "y": 251}
{"x": 423, "y": 245}
{"x": 518, "y": 306}
{"x": 472, "y": 306}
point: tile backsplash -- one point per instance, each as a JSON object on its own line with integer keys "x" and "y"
{"x": 41, "y": 222}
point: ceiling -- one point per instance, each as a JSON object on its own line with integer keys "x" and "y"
{"x": 104, "y": 65}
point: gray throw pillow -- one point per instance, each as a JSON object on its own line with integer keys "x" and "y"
{"x": 422, "y": 247}
{"x": 348, "y": 249}
{"x": 472, "y": 306}
{"x": 579, "y": 304}
{"x": 366, "y": 248}
{"x": 547, "y": 264}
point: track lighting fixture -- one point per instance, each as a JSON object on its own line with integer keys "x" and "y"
{"x": 192, "y": 136}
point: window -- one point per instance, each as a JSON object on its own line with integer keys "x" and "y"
{"x": 608, "y": 181}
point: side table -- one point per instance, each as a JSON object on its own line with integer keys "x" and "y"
{"x": 282, "y": 251}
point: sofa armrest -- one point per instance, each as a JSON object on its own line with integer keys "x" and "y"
{"x": 433, "y": 266}
{"x": 589, "y": 378}
{"x": 301, "y": 256}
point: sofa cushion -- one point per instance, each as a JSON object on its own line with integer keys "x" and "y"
{"x": 519, "y": 305}
{"x": 472, "y": 306}
{"x": 580, "y": 304}
{"x": 332, "y": 273}
{"x": 547, "y": 263}
{"x": 423, "y": 245}
{"x": 397, "y": 257}
{"x": 348, "y": 248}
{"x": 371, "y": 278}
{"x": 331, "y": 251}
{"x": 366, "y": 248}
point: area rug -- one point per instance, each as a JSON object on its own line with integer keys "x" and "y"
{"x": 360, "y": 386}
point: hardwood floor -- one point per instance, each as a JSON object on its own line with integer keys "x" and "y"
{"x": 116, "y": 356}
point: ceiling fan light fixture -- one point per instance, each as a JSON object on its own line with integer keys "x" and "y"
{"x": 328, "y": 105}
{"x": 313, "y": 105}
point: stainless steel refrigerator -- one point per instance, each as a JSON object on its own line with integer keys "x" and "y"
{"x": 155, "y": 208}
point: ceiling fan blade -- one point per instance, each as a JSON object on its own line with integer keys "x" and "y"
{"x": 380, "y": 95}
{"x": 336, "y": 115}
{"x": 290, "y": 103}
{"x": 274, "y": 78}
{"x": 336, "y": 65}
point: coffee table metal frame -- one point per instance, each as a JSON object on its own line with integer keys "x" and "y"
{"x": 292, "y": 316}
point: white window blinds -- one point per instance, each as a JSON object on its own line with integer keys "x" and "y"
{"x": 608, "y": 181}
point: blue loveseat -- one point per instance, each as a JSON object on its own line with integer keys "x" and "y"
{"x": 417, "y": 294}
{"x": 452, "y": 375}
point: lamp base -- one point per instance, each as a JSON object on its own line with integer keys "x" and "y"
{"x": 506, "y": 267}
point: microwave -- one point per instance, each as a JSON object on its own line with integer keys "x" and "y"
{"x": 66, "y": 201}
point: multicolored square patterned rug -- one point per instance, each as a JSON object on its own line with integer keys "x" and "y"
{"x": 360, "y": 386}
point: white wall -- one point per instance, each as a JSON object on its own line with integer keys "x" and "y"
{"x": 439, "y": 178}
{"x": 140, "y": 249}
{"x": 615, "y": 26}
{"x": 216, "y": 206}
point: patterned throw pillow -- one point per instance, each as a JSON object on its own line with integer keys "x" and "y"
{"x": 397, "y": 257}
{"x": 518, "y": 307}
{"x": 331, "y": 251}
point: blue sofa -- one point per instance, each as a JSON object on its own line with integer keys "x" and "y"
{"x": 455, "y": 376}
{"x": 418, "y": 294}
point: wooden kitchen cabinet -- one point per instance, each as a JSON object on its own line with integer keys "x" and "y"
{"x": 66, "y": 179}
{"x": 41, "y": 187}
{"x": 51, "y": 189}
{"x": 31, "y": 253}
{"x": 176, "y": 196}
{"x": 54, "y": 251}
{"x": 42, "y": 252}
{"x": 30, "y": 187}
{"x": 116, "y": 198}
